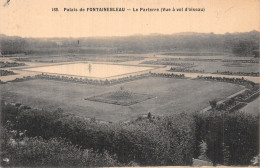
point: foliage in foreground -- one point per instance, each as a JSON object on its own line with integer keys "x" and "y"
{"x": 231, "y": 138}
{"x": 226, "y": 138}
{"x": 24, "y": 151}
{"x": 160, "y": 141}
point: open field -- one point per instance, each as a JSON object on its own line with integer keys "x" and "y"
{"x": 170, "y": 96}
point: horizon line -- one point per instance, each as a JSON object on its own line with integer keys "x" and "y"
{"x": 132, "y": 35}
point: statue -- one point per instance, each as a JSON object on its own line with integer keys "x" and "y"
{"x": 89, "y": 68}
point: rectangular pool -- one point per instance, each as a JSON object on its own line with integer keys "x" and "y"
{"x": 92, "y": 70}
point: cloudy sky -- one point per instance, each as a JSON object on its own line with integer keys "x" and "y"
{"x": 34, "y": 18}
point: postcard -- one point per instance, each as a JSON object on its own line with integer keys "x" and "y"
{"x": 129, "y": 83}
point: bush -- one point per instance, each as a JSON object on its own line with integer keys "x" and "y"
{"x": 168, "y": 141}
{"x": 38, "y": 152}
{"x": 233, "y": 134}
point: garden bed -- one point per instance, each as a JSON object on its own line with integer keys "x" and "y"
{"x": 123, "y": 98}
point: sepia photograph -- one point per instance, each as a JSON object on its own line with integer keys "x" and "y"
{"x": 120, "y": 83}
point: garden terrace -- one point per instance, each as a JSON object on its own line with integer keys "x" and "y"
{"x": 172, "y": 94}
{"x": 240, "y": 100}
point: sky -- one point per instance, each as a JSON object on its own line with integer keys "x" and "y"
{"x": 35, "y": 18}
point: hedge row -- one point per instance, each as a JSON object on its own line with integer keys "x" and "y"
{"x": 10, "y": 64}
{"x": 6, "y": 72}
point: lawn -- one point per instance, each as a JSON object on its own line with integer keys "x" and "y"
{"x": 169, "y": 96}
{"x": 224, "y": 66}
{"x": 214, "y": 66}
{"x": 252, "y": 107}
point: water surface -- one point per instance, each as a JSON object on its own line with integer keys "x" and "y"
{"x": 92, "y": 70}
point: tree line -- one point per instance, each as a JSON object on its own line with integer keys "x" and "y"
{"x": 240, "y": 44}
